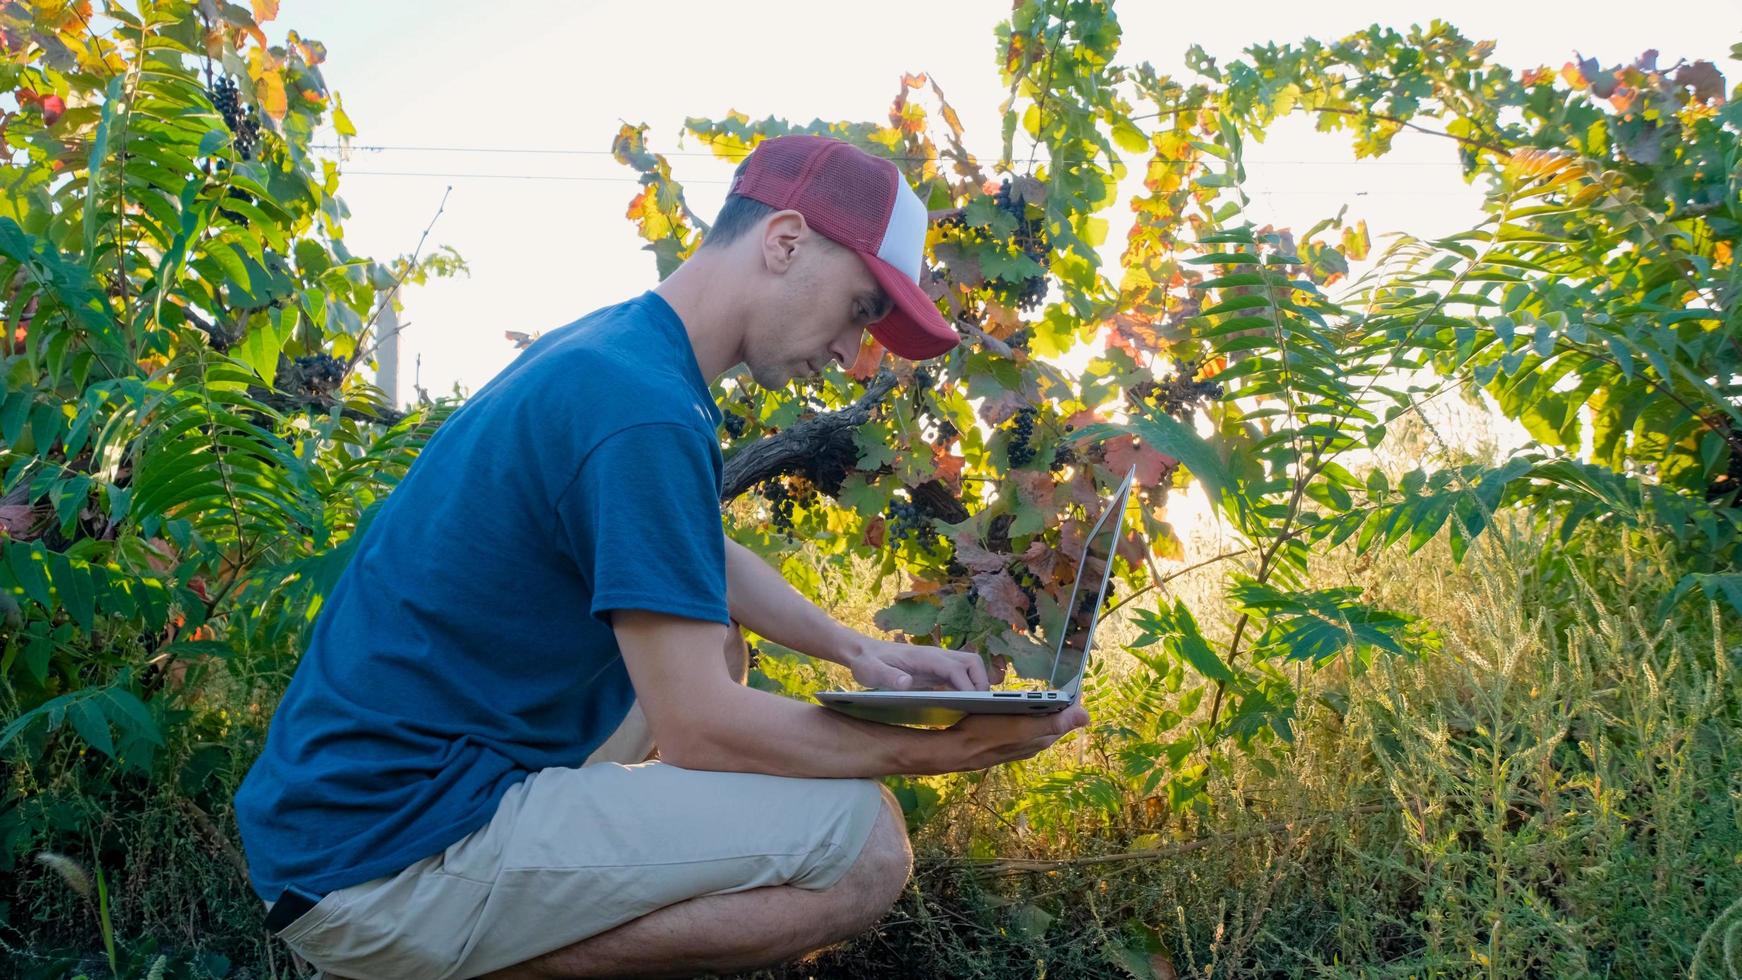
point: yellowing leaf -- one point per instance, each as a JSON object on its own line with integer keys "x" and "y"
{"x": 341, "y": 121}
{"x": 270, "y": 89}
{"x": 952, "y": 120}
{"x": 1129, "y": 137}
{"x": 265, "y": 10}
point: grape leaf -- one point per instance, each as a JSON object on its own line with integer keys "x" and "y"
{"x": 915, "y": 617}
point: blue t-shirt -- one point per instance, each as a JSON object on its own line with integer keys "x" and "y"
{"x": 468, "y": 642}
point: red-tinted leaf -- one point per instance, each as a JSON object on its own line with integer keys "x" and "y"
{"x": 1085, "y": 417}
{"x": 1152, "y": 466}
{"x": 1028, "y": 190}
{"x": 1131, "y": 549}
{"x": 1000, "y": 596}
{"x": 1080, "y": 489}
{"x": 919, "y": 587}
{"x": 949, "y": 467}
{"x": 1002, "y": 406}
{"x": 1043, "y": 560}
{"x": 869, "y": 360}
{"x": 1138, "y": 335}
{"x": 160, "y": 555}
{"x": 53, "y": 106}
{"x": 1034, "y": 487}
{"x": 1071, "y": 535}
{"x": 977, "y": 559}
{"x": 874, "y": 530}
{"x": 15, "y": 519}
{"x": 1704, "y": 78}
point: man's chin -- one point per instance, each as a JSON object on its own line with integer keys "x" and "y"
{"x": 771, "y": 378}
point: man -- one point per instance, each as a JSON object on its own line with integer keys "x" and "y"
{"x": 449, "y": 787}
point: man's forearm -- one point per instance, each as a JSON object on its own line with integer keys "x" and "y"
{"x": 754, "y": 731}
{"x": 763, "y": 601}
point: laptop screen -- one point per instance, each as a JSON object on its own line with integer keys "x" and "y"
{"x": 1085, "y": 604}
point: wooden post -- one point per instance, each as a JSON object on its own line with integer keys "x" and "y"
{"x": 387, "y": 355}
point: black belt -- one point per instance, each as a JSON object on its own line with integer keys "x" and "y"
{"x": 291, "y": 906}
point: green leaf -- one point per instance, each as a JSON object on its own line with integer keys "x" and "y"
{"x": 874, "y": 451}
{"x": 1031, "y": 921}
{"x": 915, "y": 617}
{"x": 1129, "y": 137}
{"x": 1188, "y": 644}
{"x": 261, "y": 346}
{"x": 132, "y": 715}
{"x": 28, "y": 566}
{"x": 99, "y": 153}
{"x": 73, "y": 584}
{"x": 1028, "y": 656}
{"x": 88, "y": 720}
{"x": 866, "y": 498}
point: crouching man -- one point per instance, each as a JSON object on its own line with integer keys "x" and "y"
{"x": 454, "y": 786}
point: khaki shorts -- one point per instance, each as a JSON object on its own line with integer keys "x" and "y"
{"x": 571, "y": 853}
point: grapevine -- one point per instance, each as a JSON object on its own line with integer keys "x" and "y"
{"x": 1029, "y": 238}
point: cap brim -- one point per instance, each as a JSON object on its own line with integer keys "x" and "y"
{"x": 913, "y": 328}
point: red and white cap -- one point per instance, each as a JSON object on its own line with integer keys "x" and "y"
{"x": 861, "y": 202}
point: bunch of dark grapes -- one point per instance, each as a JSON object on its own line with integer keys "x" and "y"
{"x": 244, "y": 121}
{"x": 1022, "y": 430}
{"x": 1181, "y": 394}
{"x": 1064, "y": 456}
{"x": 780, "y": 502}
{"x": 1031, "y": 239}
{"x": 904, "y": 520}
{"x": 1019, "y": 339}
{"x": 314, "y": 374}
{"x": 738, "y": 415}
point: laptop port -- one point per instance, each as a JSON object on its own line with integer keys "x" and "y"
{"x": 1034, "y": 694}
{"x": 1007, "y": 694}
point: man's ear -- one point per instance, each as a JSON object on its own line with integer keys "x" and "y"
{"x": 781, "y": 236}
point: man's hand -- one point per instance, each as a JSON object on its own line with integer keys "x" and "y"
{"x": 887, "y": 666}
{"x": 982, "y": 741}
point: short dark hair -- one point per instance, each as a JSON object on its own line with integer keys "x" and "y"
{"x": 737, "y": 217}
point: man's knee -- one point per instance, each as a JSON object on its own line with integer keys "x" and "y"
{"x": 890, "y": 834}
{"x": 878, "y": 877}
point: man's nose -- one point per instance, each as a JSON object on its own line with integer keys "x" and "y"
{"x": 847, "y": 350}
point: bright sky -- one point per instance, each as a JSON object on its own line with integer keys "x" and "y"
{"x": 544, "y": 232}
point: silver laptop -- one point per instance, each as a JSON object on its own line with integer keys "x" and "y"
{"x": 1069, "y": 662}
